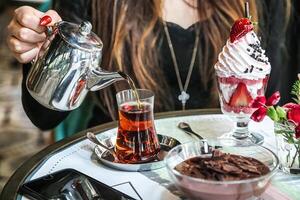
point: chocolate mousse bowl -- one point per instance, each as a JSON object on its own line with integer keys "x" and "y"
{"x": 230, "y": 169}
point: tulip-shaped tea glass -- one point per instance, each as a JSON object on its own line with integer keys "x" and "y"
{"x": 236, "y": 96}
{"x": 137, "y": 141}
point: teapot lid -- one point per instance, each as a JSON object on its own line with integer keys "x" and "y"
{"x": 80, "y": 36}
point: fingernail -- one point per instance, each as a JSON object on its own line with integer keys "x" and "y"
{"x": 45, "y": 20}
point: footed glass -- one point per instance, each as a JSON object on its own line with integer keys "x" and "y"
{"x": 236, "y": 96}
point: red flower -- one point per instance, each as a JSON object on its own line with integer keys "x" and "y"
{"x": 274, "y": 99}
{"x": 293, "y": 112}
{"x": 297, "y": 132}
{"x": 291, "y": 106}
{"x": 259, "y": 114}
{"x": 261, "y": 103}
{"x": 294, "y": 115}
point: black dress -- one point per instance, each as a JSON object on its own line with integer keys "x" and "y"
{"x": 183, "y": 42}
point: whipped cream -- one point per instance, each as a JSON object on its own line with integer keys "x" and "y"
{"x": 243, "y": 58}
{"x": 227, "y": 90}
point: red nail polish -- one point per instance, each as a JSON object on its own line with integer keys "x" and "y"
{"x": 45, "y": 20}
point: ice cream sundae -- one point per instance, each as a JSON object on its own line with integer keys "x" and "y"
{"x": 242, "y": 70}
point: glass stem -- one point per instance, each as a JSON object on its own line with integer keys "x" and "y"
{"x": 241, "y": 128}
{"x": 298, "y": 156}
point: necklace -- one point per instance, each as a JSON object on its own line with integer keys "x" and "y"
{"x": 184, "y": 96}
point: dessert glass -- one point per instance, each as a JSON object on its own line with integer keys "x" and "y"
{"x": 236, "y": 96}
{"x": 137, "y": 141}
{"x": 197, "y": 188}
{"x": 242, "y": 73}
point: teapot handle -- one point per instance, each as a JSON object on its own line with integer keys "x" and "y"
{"x": 44, "y": 21}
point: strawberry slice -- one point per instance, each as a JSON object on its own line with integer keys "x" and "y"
{"x": 241, "y": 97}
{"x": 240, "y": 28}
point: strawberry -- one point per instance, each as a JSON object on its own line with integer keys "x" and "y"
{"x": 240, "y": 28}
{"x": 241, "y": 97}
{"x": 246, "y": 110}
{"x": 234, "y": 80}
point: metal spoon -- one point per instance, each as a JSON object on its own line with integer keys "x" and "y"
{"x": 187, "y": 129}
{"x": 91, "y": 136}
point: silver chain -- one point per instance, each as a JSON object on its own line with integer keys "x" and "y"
{"x": 183, "y": 97}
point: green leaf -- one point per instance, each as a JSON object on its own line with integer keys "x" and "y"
{"x": 296, "y": 100}
{"x": 290, "y": 140}
{"x": 281, "y": 112}
{"x": 296, "y": 91}
{"x": 271, "y": 112}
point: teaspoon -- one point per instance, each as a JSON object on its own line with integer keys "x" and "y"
{"x": 187, "y": 129}
{"x": 91, "y": 136}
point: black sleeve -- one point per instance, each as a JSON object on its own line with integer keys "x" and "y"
{"x": 73, "y": 11}
{"x": 294, "y": 38}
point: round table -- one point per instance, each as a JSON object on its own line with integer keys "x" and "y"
{"x": 31, "y": 166}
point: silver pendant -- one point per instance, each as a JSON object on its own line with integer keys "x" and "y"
{"x": 183, "y": 97}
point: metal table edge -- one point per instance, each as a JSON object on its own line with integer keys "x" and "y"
{"x": 10, "y": 190}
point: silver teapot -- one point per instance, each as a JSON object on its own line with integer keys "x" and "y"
{"x": 67, "y": 67}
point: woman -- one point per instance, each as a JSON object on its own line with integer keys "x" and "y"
{"x": 149, "y": 40}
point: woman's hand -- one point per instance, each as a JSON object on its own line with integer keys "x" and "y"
{"x": 25, "y": 35}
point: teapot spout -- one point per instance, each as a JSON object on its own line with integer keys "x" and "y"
{"x": 98, "y": 80}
